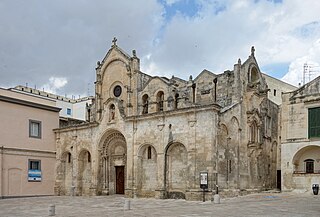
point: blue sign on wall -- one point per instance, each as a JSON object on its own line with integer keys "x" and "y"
{"x": 34, "y": 175}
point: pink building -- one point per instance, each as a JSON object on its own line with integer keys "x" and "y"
{"x": 27, "y": 144}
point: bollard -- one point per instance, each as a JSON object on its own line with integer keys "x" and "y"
{"x": 216, "y": 198}
{"x": 52, "y": 210}
{"x": 72, "y": 190}
{"x": 126, "y": 204}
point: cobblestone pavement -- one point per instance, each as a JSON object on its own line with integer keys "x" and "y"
{"x": 263, "y": 204}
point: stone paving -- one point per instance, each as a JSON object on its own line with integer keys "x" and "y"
{"x": 263, "y": 204}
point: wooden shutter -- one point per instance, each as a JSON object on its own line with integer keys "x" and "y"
{"x": 314, "y": 122}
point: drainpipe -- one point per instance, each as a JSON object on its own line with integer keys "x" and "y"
{"x": 1, "y": 173}
{"x": 215, "y": 89}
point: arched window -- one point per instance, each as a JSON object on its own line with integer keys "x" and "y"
{"x": 309, "y": 165}
{"x": 254, "y": 75}
{"x": 149, "y": 152}
{"x": 176, "y": 100}
{"x": 145, "y": 102}
{"x": 160, "y": 99}
{"x": 112, "y": 111}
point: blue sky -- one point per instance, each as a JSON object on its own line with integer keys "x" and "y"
{"x": 55, "y": 45}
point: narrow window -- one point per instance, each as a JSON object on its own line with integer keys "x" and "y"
{"x": 160, "y": 99}
{"x": 69, "y": 157}
{"x": 176, "y": 100}
{"x": 309, "y": 165}
{"x": 35, "y": 129}
{"x": 89, "y": 157}
{"x": 275, "y": 92}
{"x": 149, "y": 152}
{"x": 145, "y": 103}
{"x": 34, "y": 171}
{"x": 230, "y": 166}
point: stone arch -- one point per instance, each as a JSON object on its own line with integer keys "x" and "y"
{"x": 307, "y": 152}
{"x": 223, "y": 156}
{"x": 176, "y": 170}
{"x": 84, "y": 175}
{"x": 233, "y": 154}
{"x": 64, "y": 173}
{"x": 147, "y": 171}
{"x": 274, "y": 156}
{"x": 112, "y": 163}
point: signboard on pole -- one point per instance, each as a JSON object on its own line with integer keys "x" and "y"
{"x": 204, "y": 180}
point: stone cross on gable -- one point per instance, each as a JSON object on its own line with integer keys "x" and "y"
{"x": 114, "y": 41}
{"x": 252, "y": 51}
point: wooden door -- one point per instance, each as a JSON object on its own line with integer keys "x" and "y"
{"x": 120, "y": 180}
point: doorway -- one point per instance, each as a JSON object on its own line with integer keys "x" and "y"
{"x": 279, "y": 179}
{"x": 119, "y": 179}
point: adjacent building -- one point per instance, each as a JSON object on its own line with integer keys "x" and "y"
{"x": 71, "y": 108}
{"x": 27, "y": 144}
{"x": 300, "y": 137}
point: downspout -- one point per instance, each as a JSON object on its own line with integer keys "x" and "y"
{"x": 1, "y": 174}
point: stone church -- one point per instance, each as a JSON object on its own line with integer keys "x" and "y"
{"x": 151, "y": 136}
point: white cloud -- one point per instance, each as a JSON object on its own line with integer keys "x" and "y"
{"x": 310, "y": 64}
{"x": 171, "y": 2}
{"x": 54, "y": 84}
{"x": 216, "y": 40}
{"x": 42, "y": 39}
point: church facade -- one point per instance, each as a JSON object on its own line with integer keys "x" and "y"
{"x": 150, "y": 136}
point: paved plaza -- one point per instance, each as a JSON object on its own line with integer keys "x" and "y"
{"x": 263, "y": 204}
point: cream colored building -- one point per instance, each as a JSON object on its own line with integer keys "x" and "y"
{"x": 27, "y": 144}
{"x": 71, "y": 108}
{"x": 300, "y": 137}
{"x": 151, "y": 136}
{"x": 276, "y": 88}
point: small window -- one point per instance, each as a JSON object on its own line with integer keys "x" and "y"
{"x": 309, "y": 165}
{"x": 160, "y": 99}
{"x": 149, "y": 152}
{"x": 34, "y": 171}
{"x": 68, "y": 111}
{"x": 69, "y": 157}
{"x": 145, "y": 104}
{"x": 89, "y": 157}
{"x": 274, "y": 92}
{"x": 35, "y": 129}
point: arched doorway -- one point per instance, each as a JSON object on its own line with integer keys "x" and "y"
{"x": 113, "y": 159}
{"x": 176, "y": 170}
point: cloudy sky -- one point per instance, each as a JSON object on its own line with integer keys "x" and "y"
{"x": 54, "y": 45}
